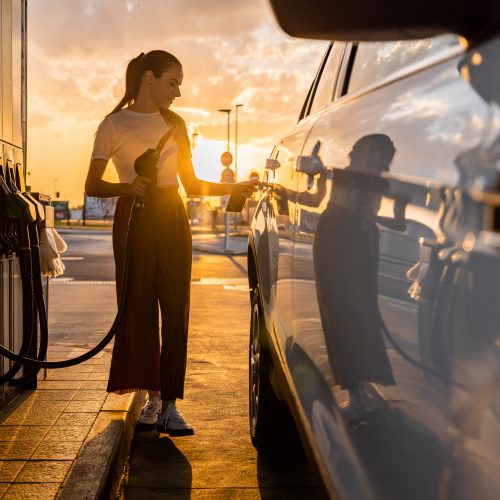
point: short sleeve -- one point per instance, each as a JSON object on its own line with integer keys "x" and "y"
{"x": 104, "y": 141}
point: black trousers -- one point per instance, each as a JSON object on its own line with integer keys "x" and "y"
{"x": 159, "y": 280}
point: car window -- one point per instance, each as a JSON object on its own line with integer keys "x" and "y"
{"x": 306, "y": 108}
{"x": 324, "y": 90}
{"x": 375, "y": 61}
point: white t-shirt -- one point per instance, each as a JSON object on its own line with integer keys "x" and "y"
{"x": 126, "y": 134}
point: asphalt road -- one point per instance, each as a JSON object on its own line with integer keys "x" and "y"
{"x": 219, "y": 461}
{"x": 90, "y": 258}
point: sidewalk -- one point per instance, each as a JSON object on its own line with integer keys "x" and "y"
{"x": 69, "y": 438}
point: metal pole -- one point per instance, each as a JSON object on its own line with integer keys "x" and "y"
{"x": 236, "y": 145}
{"x": 228, "y": 111}
{"x": 226, "y": 231}
{"x": 194, "y": 137}
{"x": 226, "y": 218}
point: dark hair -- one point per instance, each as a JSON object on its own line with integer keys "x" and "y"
{"x": 382, "y": 143}
{"x": 157, "y": 61}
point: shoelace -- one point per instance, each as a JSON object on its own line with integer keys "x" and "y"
{"x": 150, "y": 409}
{"x": 176, "y": 415}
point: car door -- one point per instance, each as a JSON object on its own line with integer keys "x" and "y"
{"x": 306, "y": 354}
{"x": 397, "y": 299}
{"x": 274, "y": 222}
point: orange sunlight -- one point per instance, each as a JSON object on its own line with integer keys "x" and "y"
{"x": 78, "y": 53}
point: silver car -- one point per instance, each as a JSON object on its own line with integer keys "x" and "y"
{"x": 374, "y": 258}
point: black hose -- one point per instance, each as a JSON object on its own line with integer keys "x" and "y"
{"x": 29, "y": 317}
{"x": 413, "y": 361}
{"x": 40, "y": 362}
{"x": 39, "y": 309}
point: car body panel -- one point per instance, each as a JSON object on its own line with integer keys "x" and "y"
{"x": 384, "y": 282}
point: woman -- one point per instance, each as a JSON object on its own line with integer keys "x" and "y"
{"x": 161, "y": 250}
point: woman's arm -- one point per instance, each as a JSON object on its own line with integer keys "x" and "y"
{"x": 95, "y": 186}
{"x": 196, "y": 187}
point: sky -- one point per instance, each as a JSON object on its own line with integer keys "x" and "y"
{"x": 232, "y": 52}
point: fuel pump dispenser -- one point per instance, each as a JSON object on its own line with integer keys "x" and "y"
{"x": 21, "y": 217}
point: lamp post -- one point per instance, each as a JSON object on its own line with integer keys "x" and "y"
{"x": 236, "y": 145}
{"x": 194, "y": 138}
{"x": 226, "y": 215}
{"x": 191, "y": 201}
{"x": 228, "y": 111}
{"x": 56, "y": 194}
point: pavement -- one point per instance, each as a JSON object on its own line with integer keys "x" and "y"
{"x": 219, "y": 461}
{"x": 71, "y": 439}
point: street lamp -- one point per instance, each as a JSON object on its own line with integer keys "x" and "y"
{"x": 194, "y": 138}
{"x": 56, "y": 194}
{"x": 228, "y": 111}
{"x": 226, "y": 216}
{"x": 236, "y": 145}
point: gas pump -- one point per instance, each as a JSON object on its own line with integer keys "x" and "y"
{"x": 21, "y": 217}
{"x": 21, "y": 214}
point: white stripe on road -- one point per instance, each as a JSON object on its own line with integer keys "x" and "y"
{"x": 239, "y": 284}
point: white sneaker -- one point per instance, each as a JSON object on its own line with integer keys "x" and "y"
{"x": 171, "y": 422}
{"x": 150, "y": 412}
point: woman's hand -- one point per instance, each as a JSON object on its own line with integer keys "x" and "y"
{"x": 246, "y": 188}
{"x": 138, "y": 186}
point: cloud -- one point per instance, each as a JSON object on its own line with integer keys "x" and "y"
{"x": 232, "y": 52}
{"x": 84, "y": 27}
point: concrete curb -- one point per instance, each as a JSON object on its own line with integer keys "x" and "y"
{"x": 212, "y": 249}
{"x": 96, "y": 471}
{"x": 215, "y": 245}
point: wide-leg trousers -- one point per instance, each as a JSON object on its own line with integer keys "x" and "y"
{"x": 159, "y": 280}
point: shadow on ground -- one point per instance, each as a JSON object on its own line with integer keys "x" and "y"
{"x": 158, "y": 468}
{"x": 281, "y": 478}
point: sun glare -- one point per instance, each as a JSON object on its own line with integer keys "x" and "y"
{"x": 207, "y": 165}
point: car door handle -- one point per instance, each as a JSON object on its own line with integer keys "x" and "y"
{"x": 312, "y": 164}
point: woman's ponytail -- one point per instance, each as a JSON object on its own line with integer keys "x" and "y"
{"x": 133, "y": 77}
{"x": 157, "y": 61}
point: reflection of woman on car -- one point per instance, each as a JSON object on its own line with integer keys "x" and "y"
{"x": 346, "y": 254}
{"x": 160, "y": 253}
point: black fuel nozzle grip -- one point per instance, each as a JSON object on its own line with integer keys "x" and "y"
{"x": 16, "y": 205}
{"x": 145, "y": 165}
{"x": 18, "y": 176}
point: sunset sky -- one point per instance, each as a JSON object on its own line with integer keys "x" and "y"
{"x": 232, "y": 52}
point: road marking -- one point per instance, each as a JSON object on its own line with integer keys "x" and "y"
{"x": 71, "y": 281}
{"x": 239, "y": 284}
{"x": 72, "y": 258}
{"x": 221, "y": 281}
{"x": 237, "y": 288}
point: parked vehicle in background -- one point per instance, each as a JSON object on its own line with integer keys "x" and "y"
{"x": 374, "y": 257}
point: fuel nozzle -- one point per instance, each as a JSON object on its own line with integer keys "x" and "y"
{"x": 145, "y": 165}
